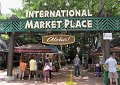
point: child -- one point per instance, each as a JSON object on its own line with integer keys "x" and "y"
{"x": 97, "y": 69}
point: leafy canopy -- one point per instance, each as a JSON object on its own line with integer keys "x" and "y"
{"x": 111, "y": 6}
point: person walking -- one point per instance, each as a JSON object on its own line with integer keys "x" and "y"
{"x": 76, "y": 66}
{"x": 111, "y": 62}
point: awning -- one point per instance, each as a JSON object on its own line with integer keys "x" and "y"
{"x": 96, "y": 53}
{"x": 36, "y": 48}
{"x": 114, "y": 50}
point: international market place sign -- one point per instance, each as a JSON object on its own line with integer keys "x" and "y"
{"x": 64, "y": 23}
{"x": 57, "y": 20}
{"x": 58, "y": 39}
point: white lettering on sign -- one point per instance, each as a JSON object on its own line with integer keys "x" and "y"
{"x": 56, "y": 39}
{"x": 63, "y": 23}
{"x": 57, "y": 24}
{"x": 58, "y": 13}
{"x": 78, "y": 23}
{"x": 43, "y": 24}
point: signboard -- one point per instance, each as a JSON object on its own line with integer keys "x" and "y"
{"x": 57, "y": 20}
{"x": 107, "y": 36}
{"x": 67, "y": 23}
{"x": 58, "y": 39}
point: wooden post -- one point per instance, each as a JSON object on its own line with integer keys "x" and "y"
{"x": 106, "y": 49}
{"x": 105, "y": 44}
{"x": 10, "y": 55}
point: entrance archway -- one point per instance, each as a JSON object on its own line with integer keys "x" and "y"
{"x": 13, "y": 26}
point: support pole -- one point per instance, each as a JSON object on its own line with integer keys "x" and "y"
{"x": 105, "y": 46}
{"x": 10, "y": 55}
{"x": 106, "y": 49}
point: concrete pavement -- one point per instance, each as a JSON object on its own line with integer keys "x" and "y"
{"x": 58, "y": 78}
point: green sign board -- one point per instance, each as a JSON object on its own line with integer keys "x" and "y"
{"x": 58, "y": 24}
{"x": 71, "y": 20}
{"x": 57, "y": 20}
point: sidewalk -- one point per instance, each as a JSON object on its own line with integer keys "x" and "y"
{"x": 58, "y": 78}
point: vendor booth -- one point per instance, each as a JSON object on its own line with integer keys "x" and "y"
{"x": 40, "y": 52}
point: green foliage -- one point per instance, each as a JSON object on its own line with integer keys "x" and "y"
{"x": 23, "y": 39}
{"x": 2, "y": 16}
{"x": 19, "y": 12}
{"x": 5, "y": 36}
{"x": 111, "y": 6}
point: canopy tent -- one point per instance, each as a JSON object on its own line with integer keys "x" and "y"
{"x": 33, "y": 48}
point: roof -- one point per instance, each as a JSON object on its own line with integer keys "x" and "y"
{"x": 98, "y": 53}
{"x": 33, "y": 48}
{"x": 114, "y": 46}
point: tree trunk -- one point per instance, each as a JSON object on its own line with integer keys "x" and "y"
{"x": 101, "y": 7}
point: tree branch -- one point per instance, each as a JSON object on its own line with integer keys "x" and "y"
{"x": 102, "y": 4}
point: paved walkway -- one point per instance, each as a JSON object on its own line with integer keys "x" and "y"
{"x": 58, "y": 78}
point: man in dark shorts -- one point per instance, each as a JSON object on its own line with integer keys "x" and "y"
{"x": 39, "y": 70}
